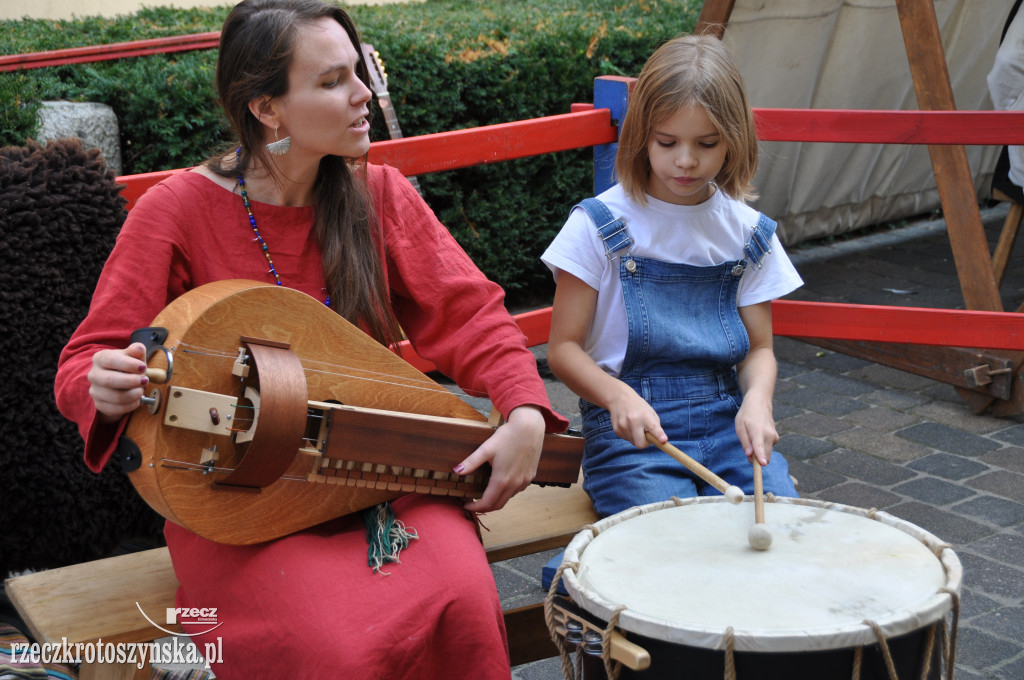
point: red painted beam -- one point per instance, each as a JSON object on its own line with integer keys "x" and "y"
{"x": 134, "y": 48}
{"x": 911, "y": 325}
{"x": 870, "y": 323}
{"x": 890, "y": 127}
{"x": 492, "y": 143}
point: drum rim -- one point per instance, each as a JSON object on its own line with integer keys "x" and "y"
{"x": 837, "y": 637}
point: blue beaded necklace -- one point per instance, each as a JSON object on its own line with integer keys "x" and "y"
{"x": 256, "y": 230}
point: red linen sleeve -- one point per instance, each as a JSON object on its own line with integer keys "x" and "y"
{"x": 136, "y": 283}
{"x": 453, "y": 315}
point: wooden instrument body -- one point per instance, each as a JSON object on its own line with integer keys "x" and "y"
{"x": 342, "y": 365}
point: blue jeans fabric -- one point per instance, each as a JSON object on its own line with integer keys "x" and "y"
{"x": 685, "y": 338}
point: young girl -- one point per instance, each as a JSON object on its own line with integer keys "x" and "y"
{"x": 662, "y": 317}
{"x": 294, "y": 203}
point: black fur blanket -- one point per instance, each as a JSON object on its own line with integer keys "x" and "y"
{"x": 60, "y": 211}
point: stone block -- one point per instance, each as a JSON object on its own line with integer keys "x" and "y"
{"x": 95, "y": 124}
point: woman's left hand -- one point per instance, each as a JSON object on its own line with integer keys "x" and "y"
{"x": 513, "y": 452}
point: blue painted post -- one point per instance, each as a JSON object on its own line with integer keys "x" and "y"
{"x": 612, "y": 93}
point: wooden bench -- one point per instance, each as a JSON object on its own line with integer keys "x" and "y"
{"x": 101, "y": 599}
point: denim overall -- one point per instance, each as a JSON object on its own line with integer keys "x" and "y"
{"x": 685, "y": 339}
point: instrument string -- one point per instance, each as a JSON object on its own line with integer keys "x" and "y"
{"x": 339, "y": 370}
{"x": 199, "y": 467}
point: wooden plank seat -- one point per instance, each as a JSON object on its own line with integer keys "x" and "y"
{"x": 104, "y": 599}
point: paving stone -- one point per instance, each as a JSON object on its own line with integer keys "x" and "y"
{"x": 959, "y": 416}
{"x": 891, "y": 377}
{"x": 882, "y": 418}
{"x": 1013, "y": 670}
{"x": 801, "y": 446}
{"x": 1006, "y": 547}
{"x": 1009, "y": 458}
{"x": 998, "y": 581}
{"x": 1005, "y": 622}
{"x": 941, "y": 392}
{"x": 948, "y": 466}
{"x": 820, "y": 402}
{"x": 836, "y": 362}
{"x": 947, "y": 526}
{"x": 782, "y": 386}
{"x": 787, "y": 370}
{"x": 812, "y": 478}
{"x": 999, "y": 511}
{"x": 511, "y": 584}
{"x": 945, "y": 438}
{"x": 545, "y": 669}
{"x": 934, "y": 491}
{"x": 782, "y": 410}
{"x": 858, "y": 495}
{"x": 812, "y": 424}
{"x": 1006, "y": 484}
{"x": 897, "y": 399}
{"x": 1011, "y": 435}
{"x": 974, "y": 604}
{"x": 881, "y": 444}
{"x": 792, "y": 349}
{"x": 981, "y": 651}
{"x": 864, "y": 467}
{"x": 565, "y": 402}
{"x": 963, "y": 673}
{"x": 835, "y": 384}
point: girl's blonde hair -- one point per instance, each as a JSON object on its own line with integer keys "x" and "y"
{"x": 689, "y": 70}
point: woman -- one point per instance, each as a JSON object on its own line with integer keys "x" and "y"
{"x": 292, "y": 206}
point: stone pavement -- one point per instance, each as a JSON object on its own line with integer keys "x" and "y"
{"x": 870, "y": 436}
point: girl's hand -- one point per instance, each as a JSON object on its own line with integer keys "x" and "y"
{"x": 755, "y": 426}
{"x": 513, "y": 452}
{"x": 632, "y": 418}
{"x": 116, "y": 381}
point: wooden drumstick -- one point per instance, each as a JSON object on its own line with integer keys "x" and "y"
{"x": 734, "y": 494}
{"x": 759, "y": 537}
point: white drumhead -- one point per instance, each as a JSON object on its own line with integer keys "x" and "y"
{"x": 686, "y": 573}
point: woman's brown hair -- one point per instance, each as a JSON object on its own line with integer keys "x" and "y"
{"x": 689, "y": 70}
{"x": 257, "y": 45}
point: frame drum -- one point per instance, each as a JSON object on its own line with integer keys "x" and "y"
{"x": 840, "y": 593}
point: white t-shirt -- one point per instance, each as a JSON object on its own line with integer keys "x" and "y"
{"x": 710, "y": 233}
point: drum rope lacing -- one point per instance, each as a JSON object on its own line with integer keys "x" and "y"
{"x": 569, "y": 671}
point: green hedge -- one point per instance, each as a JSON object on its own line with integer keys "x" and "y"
{"x": 451, "y": 64}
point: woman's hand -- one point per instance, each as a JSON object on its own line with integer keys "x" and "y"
{"x": 116, "y": 381}
{"x": 513, "y": 452}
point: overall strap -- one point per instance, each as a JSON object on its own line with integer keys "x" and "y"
{"x": 613, "y": 231}
{"x": 760, "y": 243}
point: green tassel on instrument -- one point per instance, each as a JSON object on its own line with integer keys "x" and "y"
{"x": 386, "y": 534}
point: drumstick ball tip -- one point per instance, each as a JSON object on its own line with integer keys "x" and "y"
{"x": 759, "y": 537}
{"x": 734, "y": 495}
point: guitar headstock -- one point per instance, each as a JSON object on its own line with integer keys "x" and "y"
{"x": 378, "y": 77}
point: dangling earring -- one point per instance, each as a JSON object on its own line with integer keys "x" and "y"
{"x": 281, "y": 146}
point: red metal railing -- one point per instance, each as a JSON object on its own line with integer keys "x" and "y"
{"x": 135, "y": 48}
